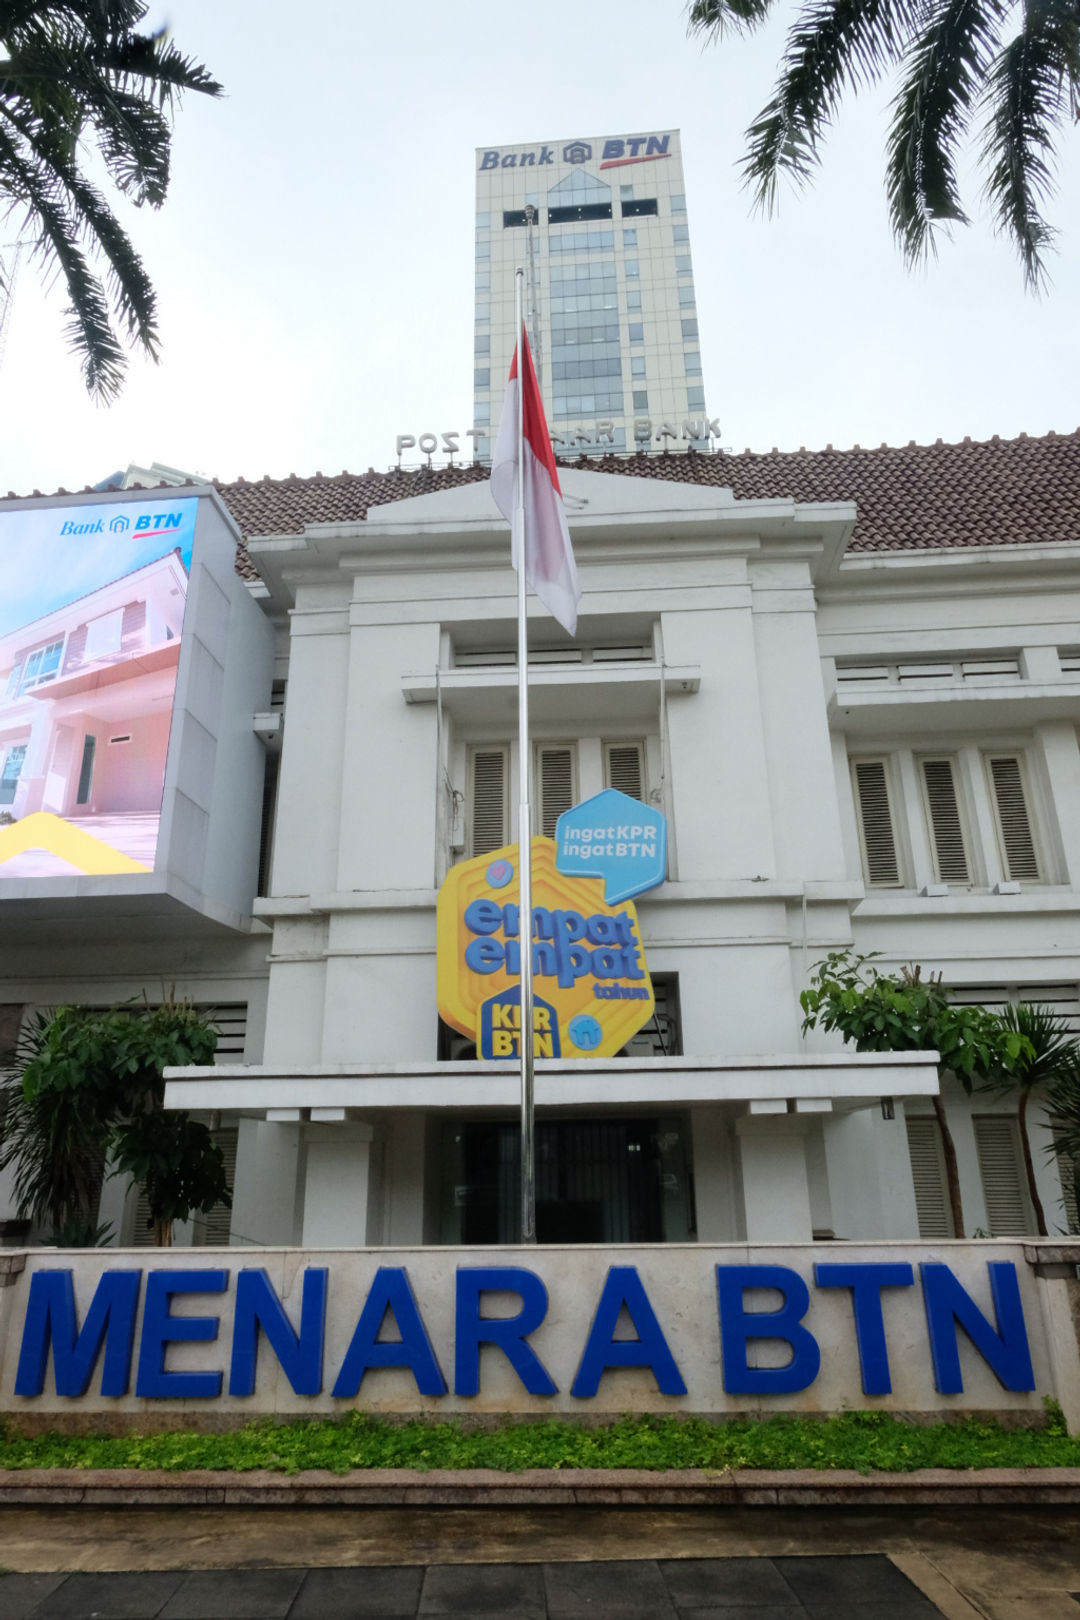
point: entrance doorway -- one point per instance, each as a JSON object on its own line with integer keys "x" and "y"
{"x": 599, "y": 1180}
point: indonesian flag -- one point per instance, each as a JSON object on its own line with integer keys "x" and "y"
{"x": 549, "y": 557}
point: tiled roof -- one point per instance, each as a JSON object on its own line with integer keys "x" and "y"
{"x": 916, "y": 497}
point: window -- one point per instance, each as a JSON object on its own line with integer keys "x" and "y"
{"x": 945, "y": 823}
{"x": 483, "y": 313}
{"x": 632, "y": 270}
{"x": 104, "y": 635}
{"x": 638, "y": 210}
{"x": 692, "y": 362}
{"x": 678, "y": 205}
{"x": 633, "y": 299}
{"x": 625, "y": 193}
{"x": 483, "y": 281}
{"x": 629, "y": 237}
{"x": 928, "y": 1176}
{"x": 637, "y": 365}
{"x": 963, "y": 795}
{"x": 481, "y": 413}
{"x": 42, "y": 666}
{"x": 9, "y": 775}
{"x": 483, "y": 250}
{"x": 637, "y": 332}
{"x": 556, "y": 784}
{"x": 483, "y": 222}
{"x": 482, "y": 377}
{"x": 997, "y": 1145}
{"x": 695, "y": 399}
{"x": 624, "y": 768}
{"x": 680, "y": 233}
{"x": 580, "y": 241}
{"x": 686, "y": 297}
{"x": 640, "y": 399}
{"x": 877, "y": 840}
{"x": 562, "y": 216}
{"x": 683, "y": 266}
{"x": 489, "y": 772}
{"x": 482, "y": 344}
{"x": 689, "y": 328}
{"x": 1015, "y": 843}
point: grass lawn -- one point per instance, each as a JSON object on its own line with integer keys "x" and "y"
{"x": 861, "y": 1440}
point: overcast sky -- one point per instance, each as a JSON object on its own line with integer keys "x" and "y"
{"x": 314, "y": 258}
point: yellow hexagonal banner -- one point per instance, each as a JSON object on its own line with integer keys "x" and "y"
{"x": 591, "y": 985}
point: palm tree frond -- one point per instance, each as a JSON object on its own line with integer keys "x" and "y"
{"x": 945, "y": 69}
{"x": 720, "y": 17}
{"x": 832, "y": 45}
{"x": 73, "y": 71}
{"x": 1032, "y": 88}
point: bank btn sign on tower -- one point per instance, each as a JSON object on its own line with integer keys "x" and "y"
{"x": 591, "y": 984}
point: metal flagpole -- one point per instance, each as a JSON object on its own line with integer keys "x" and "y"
{"x": 525, "y": 1035}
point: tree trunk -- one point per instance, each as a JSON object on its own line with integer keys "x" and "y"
{"x": 952, "y": 1172}
{"x": 1029, "y": 1168}
{"x": 163, "y": 1234}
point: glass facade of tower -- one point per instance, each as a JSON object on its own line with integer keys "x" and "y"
{"x": 610, "y": 290}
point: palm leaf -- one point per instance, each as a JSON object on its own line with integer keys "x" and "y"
{"x": 1032, "y": 88}
{"x": 832, "y": 46}
{"x": 944, "y": 74}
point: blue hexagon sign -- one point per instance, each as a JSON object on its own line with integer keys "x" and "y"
{"x": 614, "y": 837}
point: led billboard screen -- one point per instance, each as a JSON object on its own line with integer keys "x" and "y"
{"x": 92, "y": 605}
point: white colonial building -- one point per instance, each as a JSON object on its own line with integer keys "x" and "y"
{"x": 852, "y": 682}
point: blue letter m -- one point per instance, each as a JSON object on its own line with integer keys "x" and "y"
{"x": 50, "y": 1320}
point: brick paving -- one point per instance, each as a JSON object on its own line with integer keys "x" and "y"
{"x": 867, "y": 1586}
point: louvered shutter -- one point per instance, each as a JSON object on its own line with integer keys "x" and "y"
{"x": 877, "y": 837}
{"x": 946, "y": 826}
{"x": 555, "y": 785}
{"x": 998, "y": 1148}
{"x": 1070, "y": 1182}
{"x": 214, "y": 1228}
{"x": 928, "y": 1177}
{"x": 1013, "y": 822}
{"x": 488, "y": 799}
{"x": 624, "y": 768}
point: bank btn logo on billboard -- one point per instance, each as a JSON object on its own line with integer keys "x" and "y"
{"x": 91, "y": 615}
{"x": 591, "y": 984}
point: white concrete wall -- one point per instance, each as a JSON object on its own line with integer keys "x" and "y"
{"x": 680, "y": 1286}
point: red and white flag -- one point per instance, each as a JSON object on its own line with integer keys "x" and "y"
{"x": 549, "y": 556}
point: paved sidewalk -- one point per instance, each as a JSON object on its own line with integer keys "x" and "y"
{"x": 821, "y": 1588}
{"x": 726, "y": 1563}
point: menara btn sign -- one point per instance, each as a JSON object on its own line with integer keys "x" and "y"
{"x": 591, "y": 985}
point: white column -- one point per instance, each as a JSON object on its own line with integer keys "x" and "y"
{"x": 1059, "y": 755}
{"x": 336, "y": 1185}
{"x": 719, "y": 783}
{"x": 264, "y": 1193}
{"x": 802, "y": 783}
{"x": 776, "y": 1191}
{"x": 714, "y": 1176}
{"x": 870, "y": 1185}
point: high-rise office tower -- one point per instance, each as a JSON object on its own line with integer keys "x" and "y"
{"x": 610, "y": 289}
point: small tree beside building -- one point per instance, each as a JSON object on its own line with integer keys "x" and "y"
{"x": 87, "y": 1090}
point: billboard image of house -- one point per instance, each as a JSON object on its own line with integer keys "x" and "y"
{"x": 92, "y": 605}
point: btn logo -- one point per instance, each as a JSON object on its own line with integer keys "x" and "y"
{"x": 591, "y": 985}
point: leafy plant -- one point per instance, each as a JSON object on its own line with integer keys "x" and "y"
{"x": 88, "y": 1088}
{"x": 1051, "y": 1061}
{"x": 905, "y": 1012}
{"x": 854, "y": 1440}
